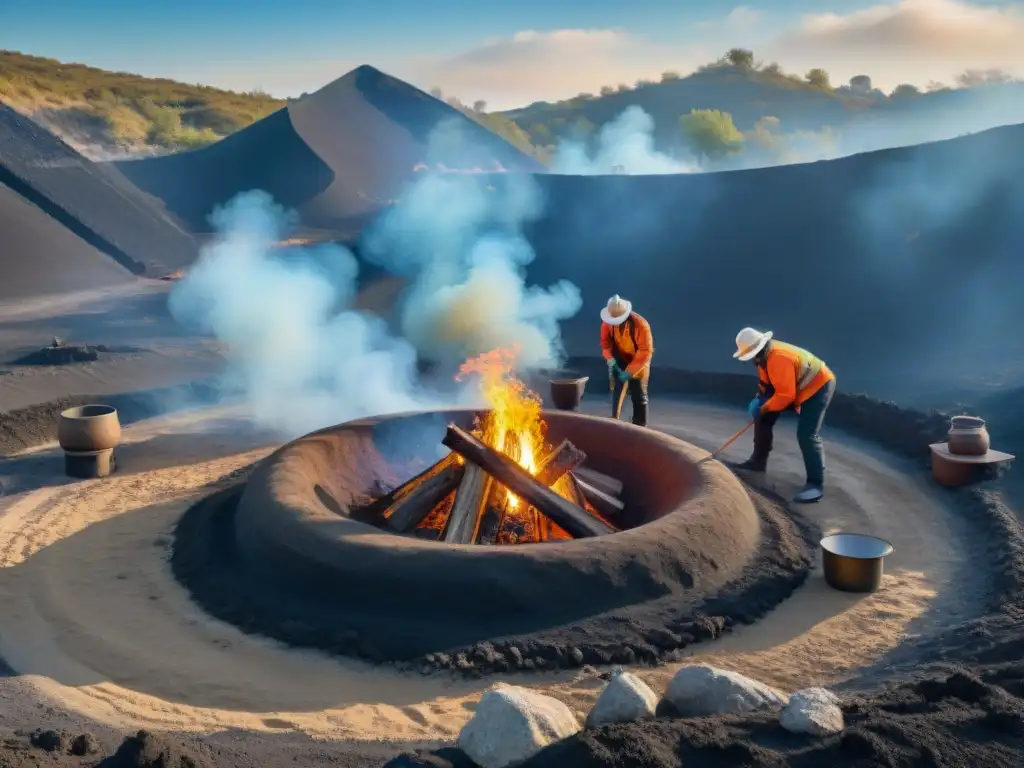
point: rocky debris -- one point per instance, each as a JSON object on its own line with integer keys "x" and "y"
{"x": 701, "y": 690}
{"x": 626, "y": 698}
{"x": 50, "y": 740}
{"x": 147, "y": 750}
{"x": 62, "y": 353}
{"x": 813, "y": 710}
{"x": 512, "y": 724}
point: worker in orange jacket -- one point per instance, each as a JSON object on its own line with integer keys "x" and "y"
{"x": 789, "y": 377}
{"x": 627, "y": 346}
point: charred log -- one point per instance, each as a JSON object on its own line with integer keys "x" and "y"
{"x": 606, "y": 505}
{"x": 573, "y": 518}
{"x": 564, "y": 459}
{"x": 410, "y": 503}
{"x": 602, "y": 482}
{"x": 469, "y": 505}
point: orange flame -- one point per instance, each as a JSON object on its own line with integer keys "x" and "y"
{"x": 515, "y": 410}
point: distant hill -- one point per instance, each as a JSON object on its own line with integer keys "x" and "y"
{"x": 100, "y": 112}
{"x": 337, "y": 155}
{"x": 865, "y": 117}
{"x": 89, "y": 106}
{"x": 92, "y": 200}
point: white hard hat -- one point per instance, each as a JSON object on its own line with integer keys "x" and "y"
{"x": 617, "y": 311}
{"x": 749, "y": 342}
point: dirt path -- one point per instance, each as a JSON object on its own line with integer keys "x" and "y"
{"x": 99, "y": 628}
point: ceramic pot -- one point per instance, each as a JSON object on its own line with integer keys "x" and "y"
{"x": 968, "y": 436}
{"x": 566, "y": 394}
{"x": 89, "y": 428}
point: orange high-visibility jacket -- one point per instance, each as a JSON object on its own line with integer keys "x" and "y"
{"x": 792, "y": 375}
{"x": 631, "y": 342}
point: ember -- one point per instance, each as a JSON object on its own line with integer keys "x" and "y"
{"x": 502, "y": 484}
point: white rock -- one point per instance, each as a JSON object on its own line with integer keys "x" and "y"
{"x": 511, "y": 724}
{"x": 626, "y": 698}
{"x": 814, "y": 711}
{"x": 700, "y": 690}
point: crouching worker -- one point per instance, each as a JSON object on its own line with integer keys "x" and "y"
{"x": 627, "y": 346}
{"x": 790, "y": 377}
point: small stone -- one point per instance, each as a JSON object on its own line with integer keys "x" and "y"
{"x": 576, "y": 655}
{"x": 512, "y": 724}
{"x": 813, "y": 710}
{"x": 516, "y": 654}
{"x": 626, "y": 698}
{"x": 49, "y": 740}
{"x": 701, "y": 690}
{"x": 84, "y": 744}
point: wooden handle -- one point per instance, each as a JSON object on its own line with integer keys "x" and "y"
{"x": 730, "y": 441}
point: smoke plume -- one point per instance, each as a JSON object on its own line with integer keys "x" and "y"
{"x": 625, "y": 145}
{"x": 459, "y": 240}
{"x": 300, "y": 355}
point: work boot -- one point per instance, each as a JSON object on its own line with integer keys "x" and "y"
{"x": 753, "y": 464}
{"x": 809, "y": 494}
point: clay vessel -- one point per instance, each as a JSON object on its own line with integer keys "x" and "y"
{"x": 89, "y": 428}
{"x": 566, "y": 394}
{"x": 968, "y": 436}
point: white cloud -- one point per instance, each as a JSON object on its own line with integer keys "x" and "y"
{"x": 531, "y": 65}
{"x": 908, "y": 41}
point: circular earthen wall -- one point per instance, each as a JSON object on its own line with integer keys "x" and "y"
{"x": 695, "y": 529}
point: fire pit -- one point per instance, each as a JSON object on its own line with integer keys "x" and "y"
{"x": 505, "y": 533}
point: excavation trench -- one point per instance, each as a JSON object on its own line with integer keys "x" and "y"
{"x": 291, "y": 556}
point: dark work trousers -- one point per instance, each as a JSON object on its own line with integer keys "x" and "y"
{"x": 808, "y": 427}
{"x": 637, "y": 387}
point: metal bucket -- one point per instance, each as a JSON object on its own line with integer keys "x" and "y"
{"x": 852, "y": 562}
{"x": 567, "y": 394}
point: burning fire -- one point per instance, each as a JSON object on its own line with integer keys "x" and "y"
{"x": 513, "y": 425}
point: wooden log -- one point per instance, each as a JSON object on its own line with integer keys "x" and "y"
{"x": 414, "y": 500}
{"x": 599, "y": 480}
{"x": 497, "y": 499}
{"x": 560, "y": 461}
{"x": 603, "y": 503}
{"x": 470, "y": 499}
{"x": 573, "y": 518}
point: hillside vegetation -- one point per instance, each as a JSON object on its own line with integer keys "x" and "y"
{"x": 738, "y": 103}
{"x": 93, "y": 109}
{"x": 118, "y": 110}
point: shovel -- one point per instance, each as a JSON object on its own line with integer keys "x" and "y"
{"x": 728, "y": 442}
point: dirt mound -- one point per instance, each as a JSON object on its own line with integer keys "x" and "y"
{"x": 895, "y": 266}
{"x": 336, "y": 155}
{"x": 281, "y": 561}
{"x": 92, "y": 200}
{"x": 41, "y": 256}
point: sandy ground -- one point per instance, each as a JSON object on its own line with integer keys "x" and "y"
{"x": 98, "y": 629}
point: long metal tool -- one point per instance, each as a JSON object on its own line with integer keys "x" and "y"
{"x": 728, "y": 442}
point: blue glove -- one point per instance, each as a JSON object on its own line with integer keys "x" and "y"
{"x": 623, "y": 376}
{"x": 613, "y": 368}
{"x": 754, "y": 408}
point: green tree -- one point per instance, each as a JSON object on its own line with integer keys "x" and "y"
{"x": 581, "y": 129}
{"x": 711, "y": 133}
{"x": 479, "y": 105}
{"x": 905, "y": 91}
{"x": 767, "y": 133}
{"x": 606, "y": 90}
{"x": 741, "y": 58}
{"x": 819, "y": 79}
{"x": 669, "y": 75}
{"x": 622, "y": 88}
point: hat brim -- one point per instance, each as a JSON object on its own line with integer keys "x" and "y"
{"x": 750, "y": 354}
{"x": 607, "y": 317}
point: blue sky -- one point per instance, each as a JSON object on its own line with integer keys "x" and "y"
{"x": 506, "y": 52}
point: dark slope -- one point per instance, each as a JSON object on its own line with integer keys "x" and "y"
{"x": 40, "y": 256}
{"x": 336, "y": 155}
{"x": 268, "y": 155}
{"x": 902, "y": 267}
{"x": 90, "y": 199}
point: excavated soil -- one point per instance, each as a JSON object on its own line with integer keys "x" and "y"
{"x": 630, "y": 598}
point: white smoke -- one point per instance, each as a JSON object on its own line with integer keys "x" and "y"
{"x": 302, "y": 358}
{"x": 625, "y": 145}
{"x": 459, "y": 239}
